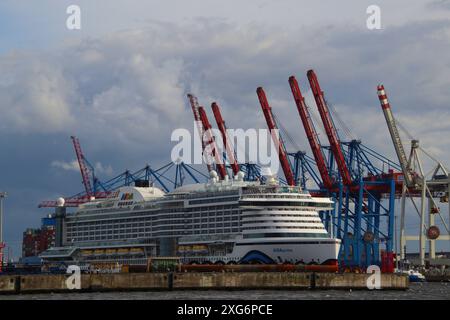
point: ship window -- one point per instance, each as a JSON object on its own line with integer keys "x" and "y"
{"x": 284, "y": 204}
{"x": 286, "y": 235}
{"x": 282, "y": 227}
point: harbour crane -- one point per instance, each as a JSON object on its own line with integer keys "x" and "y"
{"x": 169, "y": 174}
{"x": 418, "y": 183}
{"x": 408, "y": 174}
{"x": 311, "y": 133}
{"x": 211, "y": 144}
{"x": 330, "y": 129}
{"x": 83, "y": 167}
{"x": 198, "y": 122}
{"x": 358, "y": 198}
{"x": 270, "y": 120}
{"x": 225, "y": 138}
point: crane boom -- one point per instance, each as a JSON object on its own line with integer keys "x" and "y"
{"x": 207, "y": 127}
{"x": 396, "y": 140}
{"x": 83, "y": 168}
{"x": 332, "y": 135}
{"x": 198, "y": 122}
{"x": 311, "y": 133}
{"x": 282, "y": 155}
{"x": 226, "y": 140}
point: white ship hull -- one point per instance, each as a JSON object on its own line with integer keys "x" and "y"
{"x": 275, "y": 250}
{"x": 290, "y": 250}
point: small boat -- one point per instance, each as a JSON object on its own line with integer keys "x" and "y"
{"x": 415, "y": 276}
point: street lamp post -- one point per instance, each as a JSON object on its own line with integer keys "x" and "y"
{"x": 2, "y": 245}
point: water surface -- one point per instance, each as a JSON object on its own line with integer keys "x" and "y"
{"x": 417, "y": 291}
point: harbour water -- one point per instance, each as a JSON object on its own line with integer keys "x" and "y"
{"x": 417, "y": 291}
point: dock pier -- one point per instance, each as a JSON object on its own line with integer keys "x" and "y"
{"x": 10, "y": 284}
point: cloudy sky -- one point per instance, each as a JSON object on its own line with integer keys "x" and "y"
{"x": 119, "y": 83}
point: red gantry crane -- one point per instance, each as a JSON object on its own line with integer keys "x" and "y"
{"x": 83, "y": 167}
{"x": 195, "y": 110}
{"x": 311, "y": 133}
{"x": 332, "y": 135}
{"x": 226, "y": 140}
{"x": 282, "y": 154}
{"x": 215, "y": 152}
{"x": 75, "y": 201}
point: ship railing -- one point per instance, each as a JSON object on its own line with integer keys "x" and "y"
{"x": 224, "y": 237}
{"x": 272, "y": 189}
{"x": 122, "y": 261}
{"x": 272, "y": 196}
{"x": 204, "y": 259}
{"x": 204, "y": 194}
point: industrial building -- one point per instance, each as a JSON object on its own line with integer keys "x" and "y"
{"x": 36, "y": 241}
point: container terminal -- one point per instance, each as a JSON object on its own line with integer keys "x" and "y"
{"x": 237, "y": 217}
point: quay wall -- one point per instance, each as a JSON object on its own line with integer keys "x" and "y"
{"x": 197, "y": 280}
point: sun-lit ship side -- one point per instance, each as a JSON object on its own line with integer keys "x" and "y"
{"x": 229, "y": 221}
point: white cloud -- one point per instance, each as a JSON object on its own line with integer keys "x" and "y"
{"x": 103, "y": 169}
{"x": 440, "y": 4}
{"x": 127, "y": 90}
{"x": 100, "y": 169}
{"x": 69, "y": 166}
{"x": 35, "y": 94}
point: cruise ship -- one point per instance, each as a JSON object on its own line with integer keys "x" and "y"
{"x": 221, "y": 221}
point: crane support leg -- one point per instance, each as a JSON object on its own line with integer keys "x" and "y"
{"x": 431, "y": 221}
{"x": 391, "y": 217}
{"x": 402, "y": 224}
{"x": 422, "y": 247}
{"x": 376, "y": 244}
